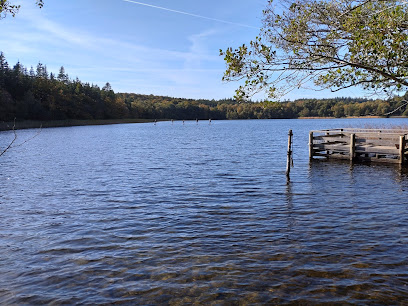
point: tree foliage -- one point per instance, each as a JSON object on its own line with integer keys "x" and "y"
{"x": 334, "y": 44}
{"x": 7, "y": 7}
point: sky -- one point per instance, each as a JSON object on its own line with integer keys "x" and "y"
{"x": 160, "y": 47}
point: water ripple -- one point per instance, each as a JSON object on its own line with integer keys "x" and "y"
{"x": 137, "y": 214}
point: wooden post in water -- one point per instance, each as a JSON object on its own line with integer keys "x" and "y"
{"x": 289, "y": 157}
{"x": 402, "y": 143}
{"x": 352, "y": 146}
{"x": 311, "y": 146}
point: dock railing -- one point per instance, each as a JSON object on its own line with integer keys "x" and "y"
{"x": 377, "y": 145}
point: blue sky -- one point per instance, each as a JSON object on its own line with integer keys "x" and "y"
{"x": 138, "y": 48}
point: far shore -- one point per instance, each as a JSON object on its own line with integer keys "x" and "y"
{"x": 35, "y": 124}
{"x": 348, "y": 117}
{"x": 352, "y": 117}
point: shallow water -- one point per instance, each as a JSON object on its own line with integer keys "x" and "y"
{"x": 198, "y": 213}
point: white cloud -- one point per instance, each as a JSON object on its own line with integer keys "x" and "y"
{"x": 191, "y": 72}
{"x": 198, "y": 52}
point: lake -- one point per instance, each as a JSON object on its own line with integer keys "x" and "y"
{"x": 198, "y": 213}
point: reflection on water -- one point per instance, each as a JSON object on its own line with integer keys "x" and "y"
{"x": 180, "y": 214}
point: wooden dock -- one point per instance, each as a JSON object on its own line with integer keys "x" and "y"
{"x": 375, "y": 145}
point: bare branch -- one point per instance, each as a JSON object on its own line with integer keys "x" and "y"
{"x": 14, "y": 139}
{"x": 398, "y": 108}
{"x": 12, "y": 145}
{"x": 31, "y": 138}
{"x": 351, "y": 85}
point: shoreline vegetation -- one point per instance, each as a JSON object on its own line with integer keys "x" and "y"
{"x": 35, "y": 97}
{"x": 35, "y": 124}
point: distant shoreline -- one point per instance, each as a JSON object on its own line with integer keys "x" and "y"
{"x": 35, "y": 124}
{"x": 352, "y": 117}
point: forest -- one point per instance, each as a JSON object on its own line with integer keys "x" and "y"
{"x": 36, "y": 94}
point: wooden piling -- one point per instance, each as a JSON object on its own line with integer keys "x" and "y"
{"x": 352, "y": 146}
{"x": 310, "y": 145}
{"x": 289, "y": 156}
{"x": 402, "y": 143}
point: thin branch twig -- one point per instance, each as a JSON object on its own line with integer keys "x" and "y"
{"x": 11, "y": 143}
{"x": 27, "y": 140}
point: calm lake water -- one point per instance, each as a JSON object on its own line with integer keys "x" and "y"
{"x": 198, "y": 213}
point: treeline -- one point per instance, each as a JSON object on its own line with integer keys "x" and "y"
{"x": 35, "y": 94}
{"x": 151, "y": 107}
{"x": 39, "y": 95}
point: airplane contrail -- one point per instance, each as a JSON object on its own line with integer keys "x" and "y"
{"x": 189, "y": 14}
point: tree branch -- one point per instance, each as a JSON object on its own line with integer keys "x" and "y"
{"x": 11, "y": 143}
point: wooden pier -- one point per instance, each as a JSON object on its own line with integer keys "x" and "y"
{"x": 375, "y": 145}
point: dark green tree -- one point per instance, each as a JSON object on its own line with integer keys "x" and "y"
{"x": 3, "y": 68}
{"x": 62, "y": 76}
{"x": 42, "y": 71}
{"x": 107, "y": 87}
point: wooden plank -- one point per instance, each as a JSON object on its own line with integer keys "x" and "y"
{"x": 364, "y": 134}
{"x": 385, "y": 131}
{"x": 339, "y": 156}
{"x": 377, "y": 150}
{"x": 324, "y": 137}
{"x": 331, "y": 141}
{"x": 325, "y": 131}
{"x": 377, "y": 142}
{"x": 334, "y": 143}
{"x": 320, "y": 154}
{"x": 332, "y": 147}
{"x": 357, "y": 148}
{"x": 378, "y": 136}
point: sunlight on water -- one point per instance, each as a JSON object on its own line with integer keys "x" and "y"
{"x": 198, "y": 213}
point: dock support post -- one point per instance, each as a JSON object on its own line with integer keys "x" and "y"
{"x": 289, "y": 157}
{"x": 402, "y": 143}
{"x": 352, "y": 146}
{"x": 311, "y": 145}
